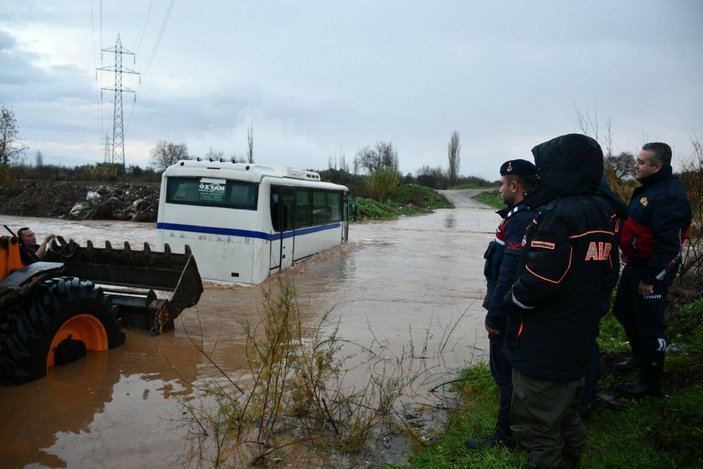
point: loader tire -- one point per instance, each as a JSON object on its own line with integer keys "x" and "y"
{"x": 65, "y": 317}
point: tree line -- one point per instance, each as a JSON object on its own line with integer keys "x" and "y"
{"x": 378, "y": 163}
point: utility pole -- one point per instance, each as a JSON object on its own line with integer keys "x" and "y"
{"x": 117, "y": 154}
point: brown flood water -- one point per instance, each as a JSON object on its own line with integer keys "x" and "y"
{"x": 408, "y": 281}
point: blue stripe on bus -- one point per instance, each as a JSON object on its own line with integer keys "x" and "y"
{"x": 244, "y": 233}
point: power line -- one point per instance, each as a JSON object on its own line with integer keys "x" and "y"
{"x": 146, "y": 23}
{"x": 98, "y": 102}
{"x": 160, "y": 34}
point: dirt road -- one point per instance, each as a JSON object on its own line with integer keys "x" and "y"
{"x": 465, "y": 198}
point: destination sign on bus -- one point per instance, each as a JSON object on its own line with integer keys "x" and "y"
{"x": 212, "y": 190}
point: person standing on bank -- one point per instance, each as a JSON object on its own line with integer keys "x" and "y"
{"x": 659, "y": 216}
{"x": 517, "y": 177}
{"x": 590, "y": 388}
{"x": 566, "y": 269}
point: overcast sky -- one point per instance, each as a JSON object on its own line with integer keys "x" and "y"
{"x": 317, "y": 80}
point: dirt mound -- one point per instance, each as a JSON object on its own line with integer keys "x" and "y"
{"x": 81, "y": 201}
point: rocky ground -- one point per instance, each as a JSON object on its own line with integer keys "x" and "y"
{"x": 81, "y": 201}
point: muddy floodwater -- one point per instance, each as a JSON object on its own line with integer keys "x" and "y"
{"x": 415, "y": 280}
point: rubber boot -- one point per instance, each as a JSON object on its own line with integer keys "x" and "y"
{"x": 651, "y": 371}
{"x": 629, "y": 365}
{"x": 491, "y": 441}
{"x": 572, "y": 461}
{"x": 632, "y": 363}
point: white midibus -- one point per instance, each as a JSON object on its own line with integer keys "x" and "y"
{"x": 244, "y": 221}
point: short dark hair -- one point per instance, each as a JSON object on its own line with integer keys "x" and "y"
{"x": 526, "y": 182}
{"x": 661, "y": 152}
{"x": 21, "y": 231}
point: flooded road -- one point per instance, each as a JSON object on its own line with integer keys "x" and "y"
{"x": 415, "y": 281}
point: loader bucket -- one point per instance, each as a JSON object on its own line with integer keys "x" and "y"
{"x": 150, "y": 288}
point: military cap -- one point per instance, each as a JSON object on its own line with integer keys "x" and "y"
{"x": 518, "y": 168}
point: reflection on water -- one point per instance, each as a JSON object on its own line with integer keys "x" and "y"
{"x": 449, "y": 221}
{"x": 413, "y": 283}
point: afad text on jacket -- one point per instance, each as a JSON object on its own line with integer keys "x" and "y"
{"x": 567, "y": 265}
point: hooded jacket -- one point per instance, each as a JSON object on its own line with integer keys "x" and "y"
{"x": 566, "y": 267}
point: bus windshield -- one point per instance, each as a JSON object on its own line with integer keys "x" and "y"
{"x": 212, "y": 192}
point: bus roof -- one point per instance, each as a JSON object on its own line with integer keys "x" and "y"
{"x": 250, "y": 169}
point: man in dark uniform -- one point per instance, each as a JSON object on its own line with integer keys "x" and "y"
{"x": 566, "y": 269}
{"x": 517, "y": 178}
{"x": 659, "y": 215}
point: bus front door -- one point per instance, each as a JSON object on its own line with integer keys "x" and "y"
{"x": 283, "y": 244}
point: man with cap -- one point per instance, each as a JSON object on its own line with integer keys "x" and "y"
{"x": 517, "y": 179}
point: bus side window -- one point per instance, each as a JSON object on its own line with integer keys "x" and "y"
{"x": 303, "y": 208}
{"x": 274, "y": 212}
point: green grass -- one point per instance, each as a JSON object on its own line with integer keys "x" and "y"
{"x": 469, "y": 186}
{"x": 491, "y": 197}
{"x": 663, "y": 432}
{"x": 418, "y": 196}
{"x": 408, "y": 199}
{"x": 475, "y": 417}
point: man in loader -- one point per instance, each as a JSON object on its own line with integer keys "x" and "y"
{"x": 30, "y": 250}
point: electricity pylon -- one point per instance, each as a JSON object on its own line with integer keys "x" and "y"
{"x": 108, "y": 149}
{"x": 117, "y": 154}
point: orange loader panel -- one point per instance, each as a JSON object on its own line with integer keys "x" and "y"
{"x": 10, "y": 259}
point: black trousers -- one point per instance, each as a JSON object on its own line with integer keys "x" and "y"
{"x": 642, "y": 317}
{"x": 502, "y": 371}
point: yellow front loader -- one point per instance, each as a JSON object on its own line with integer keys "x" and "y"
{"x": 78, "y": 299}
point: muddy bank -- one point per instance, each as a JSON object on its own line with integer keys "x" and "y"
{"x": 81, "y": 200}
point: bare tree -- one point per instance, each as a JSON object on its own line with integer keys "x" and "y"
{"x": 453, "y": 150}
{"x": 382, "y": 156}
{"x": 11, "y": 147}
{"x": 338, "y": 162}
{"x": 250, "y": 141}
{"x": 589, "y": 126}
{"x": 343, "y": 165}
{"x": 214, "y": 155}
{"x": 432, "y": 177}
{"x": 622, "y": 164}
{"x": 692, "y": 179}
{"x": 586, "y": 124}
{"x": 608, "y": 139}
{"x": 165, "y": 154}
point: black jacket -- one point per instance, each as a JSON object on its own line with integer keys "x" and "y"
{"x": 566, "y": 267}
{"x": 502, "y": 259}
{"x": 659, "y": 216}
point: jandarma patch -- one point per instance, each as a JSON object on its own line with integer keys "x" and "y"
{"x": 542, "y": 244}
